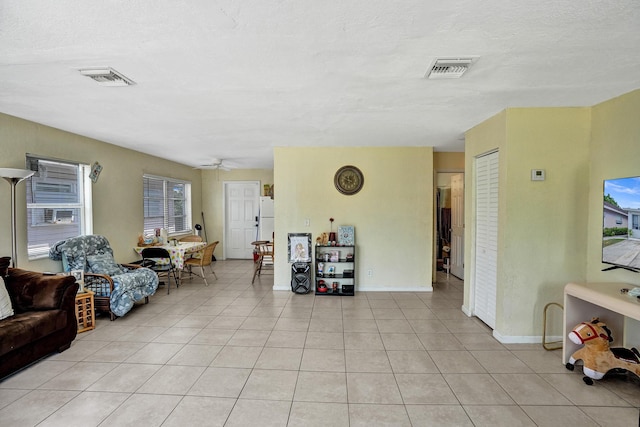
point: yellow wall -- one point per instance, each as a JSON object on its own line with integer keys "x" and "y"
{"x": 486, "y": 137}
{"x": 541, "y": 238}
{"x": 213, "y": 198}
{"x": 448, "y": 162}
{"x": 117, "y": 196}
{"x": 615, "y": 153}
{"x": 392, "y": 215}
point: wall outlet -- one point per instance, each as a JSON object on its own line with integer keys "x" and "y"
{"x": 307, "y": 222}
{"x": 537, "y": 175}
{"x": 370, "y": 273}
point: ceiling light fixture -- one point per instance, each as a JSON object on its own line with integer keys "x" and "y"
{"x": 450, "y": 68}
{"x": 107, "y": 76}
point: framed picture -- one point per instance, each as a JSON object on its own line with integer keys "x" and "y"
{"x": 79, "y": 276}
{"x": 331, "y": 270}
{"x": 299, "y": 247}
{"x": 96, "y": 168}
{"x": 346, "y": 235}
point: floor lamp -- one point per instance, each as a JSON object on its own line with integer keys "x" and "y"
{"x": 13, "y": 177}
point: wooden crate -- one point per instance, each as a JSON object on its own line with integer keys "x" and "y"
{"x": 85, "y": 313}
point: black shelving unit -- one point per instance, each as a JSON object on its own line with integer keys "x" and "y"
{"x": 335, "y": 264}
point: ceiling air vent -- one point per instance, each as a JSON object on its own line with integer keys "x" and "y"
{"x": 107, "y": 77}
{"x": 450, "y": 68}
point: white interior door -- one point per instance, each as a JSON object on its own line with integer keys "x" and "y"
{"x": 457, "y": 226}
{"x": 241, "y": 213}
{"x": 486, "y": 240}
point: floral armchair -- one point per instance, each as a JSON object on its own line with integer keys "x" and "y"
{"x": 116, "y": 286}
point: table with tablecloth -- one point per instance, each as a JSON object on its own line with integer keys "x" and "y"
{"x": 179, "y": 252}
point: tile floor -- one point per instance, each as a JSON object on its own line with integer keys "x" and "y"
{"x": 236, "y": 354}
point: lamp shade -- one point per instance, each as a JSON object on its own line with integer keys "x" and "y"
{"x": 15, "y": 174}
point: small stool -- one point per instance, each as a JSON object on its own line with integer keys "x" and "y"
{"x": 85, "y": 314}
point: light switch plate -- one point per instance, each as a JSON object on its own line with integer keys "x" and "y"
{"x": 537, "y": 175}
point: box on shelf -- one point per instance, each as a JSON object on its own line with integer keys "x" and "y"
{"x": 347, "y": 289}
{"x": 347, "y": 273}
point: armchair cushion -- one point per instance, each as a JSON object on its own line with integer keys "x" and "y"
{"x": 73, "y": 252}
{"x": 104, "y": 264}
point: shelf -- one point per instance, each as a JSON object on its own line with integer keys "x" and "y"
{"x": 335, "y": 276}
{"x": 336, "y": 294}
{"x": 339, "y": 266}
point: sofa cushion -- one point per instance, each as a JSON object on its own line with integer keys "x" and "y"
{"x": 6, "y": 309}
{"x": 34, "y": 291}
{"x": 104, "y": 264}
{"x": 26, "y": 328}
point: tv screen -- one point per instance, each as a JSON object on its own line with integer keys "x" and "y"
{"x": 621, "y": 223}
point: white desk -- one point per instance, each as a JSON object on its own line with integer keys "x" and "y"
{"x": 620, "y": 312}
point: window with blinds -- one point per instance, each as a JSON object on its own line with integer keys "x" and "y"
{"x": 58, "y": 203}
{"x": 167, "y": 204}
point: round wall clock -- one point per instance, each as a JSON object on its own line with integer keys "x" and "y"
{"x": 348, "y": 180}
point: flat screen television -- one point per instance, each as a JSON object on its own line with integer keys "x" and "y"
{"x": 621, "y": 223}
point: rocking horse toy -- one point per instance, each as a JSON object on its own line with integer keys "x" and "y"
{"x": 596, "y": 355}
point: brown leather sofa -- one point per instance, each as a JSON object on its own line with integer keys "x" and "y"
{"x": 44, "y": 318}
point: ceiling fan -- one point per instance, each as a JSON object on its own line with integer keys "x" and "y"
{"x": 220, "y": 164}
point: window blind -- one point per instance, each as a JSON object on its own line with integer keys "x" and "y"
{"x": 167, "y": 204}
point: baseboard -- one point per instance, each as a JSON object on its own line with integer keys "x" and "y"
{"x": 466, "y": 311}
{"x": 287, "y": 287}
{"x": 394, "y": 288}
{"x": 524, "y": 339}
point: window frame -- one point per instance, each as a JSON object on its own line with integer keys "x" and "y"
{"x": 166, "y": 222}
{"x": 37, "y": 231}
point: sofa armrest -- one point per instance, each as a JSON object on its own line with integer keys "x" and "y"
{"x": 31, "y": 291}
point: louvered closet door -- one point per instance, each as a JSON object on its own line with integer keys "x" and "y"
{"x": 486, "y": 261}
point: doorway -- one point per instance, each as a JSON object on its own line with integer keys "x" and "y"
{"x": 241, "y": 206}
{"x": 450, "y": 223}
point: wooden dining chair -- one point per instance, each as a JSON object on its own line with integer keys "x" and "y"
{"x": 205, "y": 259}
{"x": 191, "y": 238}
{"x": 265, "y": 258}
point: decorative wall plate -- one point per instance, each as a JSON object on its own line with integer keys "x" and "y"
{"x": 348, "y": 180}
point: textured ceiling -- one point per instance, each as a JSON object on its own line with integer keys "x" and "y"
{"x": 232, "y": 79}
